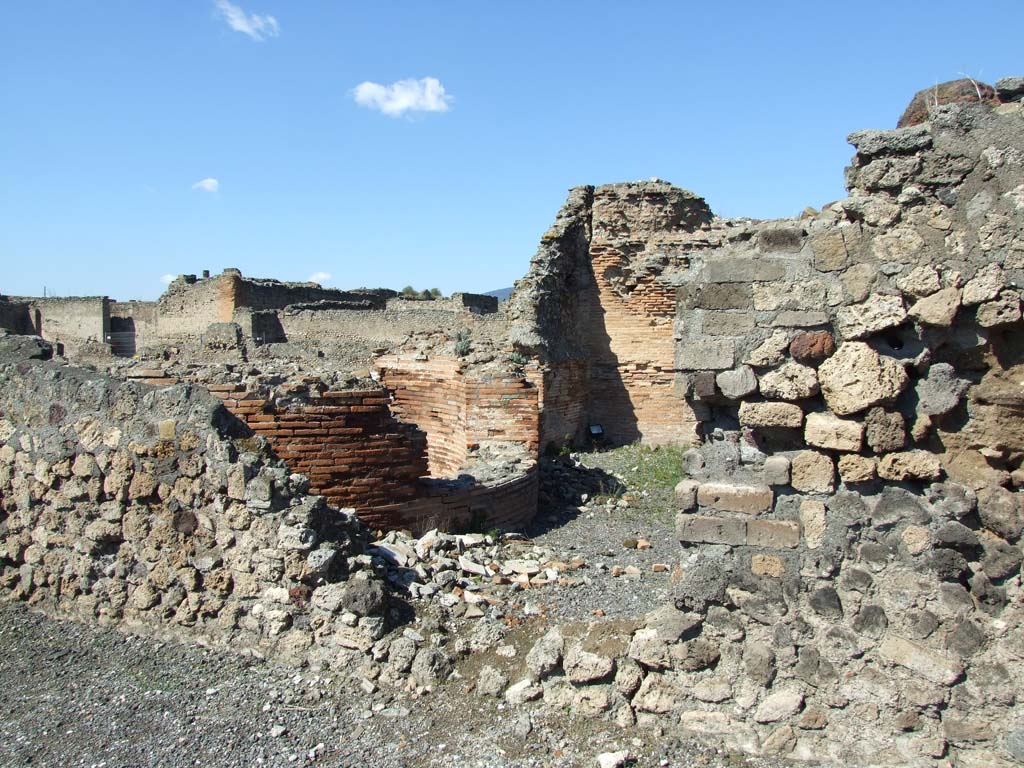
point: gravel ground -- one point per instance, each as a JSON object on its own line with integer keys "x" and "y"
{"x": 82, "y": 695}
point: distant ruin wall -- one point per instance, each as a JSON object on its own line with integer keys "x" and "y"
{"x": 73, "y": 323}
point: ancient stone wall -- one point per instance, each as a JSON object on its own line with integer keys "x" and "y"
{"x": 74, "y": 324}
{"x": 132, "y": 505}
{"x": 16, "y": 315}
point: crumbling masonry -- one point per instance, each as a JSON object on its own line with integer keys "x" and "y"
{"x": 848, "y": 383}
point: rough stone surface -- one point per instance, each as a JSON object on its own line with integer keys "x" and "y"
{"x": 856, "y": 377}
{"x": 812, "y": 347}
{"x": 813, "y": 472}
{"x": 787, "y": 415}
{"x": 824, "y": 430}
{"x": 939, "y": 309}
{"x": 792, "y": 381}
{"x": 876, "y": 314}
{"x": 737, "y": 383}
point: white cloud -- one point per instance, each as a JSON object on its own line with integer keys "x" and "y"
{"x": 320, "y": 277}
{"x": 255, "y": 26}
{"x": 424, "y": 95}
{"x": 207, "y": 185}
{"x": 167, "y": 279}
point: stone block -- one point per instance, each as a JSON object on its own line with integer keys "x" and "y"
{"x": 723, "y": 323}
{"x": 776, "y": 534}
{"x": 1002, "y": 311}
{"x": 825, "y": 430}
{"x": 802, "y": 295}
{"x": 701, "y": 529}
{"x": 910, "y": 465}
{"x": 812, "y": 472}
{"x": 776, "y": 470}
{"x": 984, "y": 286}
{"x": 856, "y": 469}
{"x": 795, "y": 318}
{"x": 780, "y": 238}
{"x": 744, "y": 270}
{"x": 885, "y": 430}
{"x": 750, "y": 499}
{"x": 705, "y": 355}
{"x": 791, "y": 381}
{"x": 831, "y": 252}
{"x": 168, "y": 429}
{"x": 876, "y": 313}
{"x": 857, "y": 377}
{"x": 716, "y": 295}
{"x": 812, "y": 519}
{"x": 939, "y": 309}
{"x": 812, "y": 346}
{"x": 771, "y": 415}
{"x": 771, "y": 351}
{"x": 921, "y": 660}
{"x": 922, "y": 281}
{"x": 686, "y": 495}
{"x": 737, "y": 383}
{"x": 767, "y": 565}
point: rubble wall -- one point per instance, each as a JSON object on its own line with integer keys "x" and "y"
{"x": 73, "y": 323}
{"x": 130, "y": 505}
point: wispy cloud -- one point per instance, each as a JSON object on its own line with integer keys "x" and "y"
{"x": 320, "y": 277}
{"x": 207, "y": 185}
{"x": 424, "y": 95}
{"x": 167, "y": 279}
{"x": 258, "y": 27}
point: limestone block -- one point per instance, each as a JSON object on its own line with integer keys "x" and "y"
{"x": 779, "y": 706}
{"x": 783, "y": 295}
{"x": 856, "y": 377}
{"x": 910, "y": 465}
{"x": 706, "y": 355}
{"x": 773, "y": 533}
{"x": 710, "y": 530}
{"x": 168, "y": 428}
{"x": 812, "y": 472}
{"x": 1002, "y": 311}
{"x": 825, "y": 430}
{"x": 856, "y": 469}
{"x": 929, "y": 664}
{"x": 767, "y": 565}
{"x": 744, "y": 270}
{"x": 812, "y": 346}
{"x": 984, "y": 286}
{"x": 939, "y": 309}
{"x": 728, "y": 323}
{"x": 686, "y": 494}
{"x": 792, "y": 381}
{"x": 750, "y": 499}
{"x": 830, "y": 251}
{"x": 737, "y": 383}
{"x": 800, "y": 318}
{"x": 875, "y": 314}
{"x": 812, "y": 519}
{"x": 919, "y": 282}
{"x": 771, "y": 351}
{"x": 771, "y": 415}
{"x": 858, "y": 281}
{"x": 776, "y": 470}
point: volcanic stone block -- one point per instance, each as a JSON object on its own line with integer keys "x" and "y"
{"x": 686, "y": 494}
{"x": 886, "y": 430}
{"x": 737, "y": 383}
{"x": 812, "y": 472}
{"x": 856, "y": 469}
{"x": 710, "y": 530}
{"x": 771, "y": 351}
{"x": 773, "y": 533}
{"x": 923, "y": 281}
{"x": 984, "y": 286}
{"x": 792, "y": 381}
{"x": 910, "y": 465}
{"x": 812, "y": 346}
{"x": 776, "y": 470}
{"x": 825, "y": 430}
{"x": 856, "y": 377}
{"x": 875, "y": 314}
{"x": 812, "y": 518}
{"x": 1003, "y": 311}
{"x": 744, "y": 270}
{"x": 750, "y": 499}
{"x": 939, "y": 309}
{"x": 771, "y": 415}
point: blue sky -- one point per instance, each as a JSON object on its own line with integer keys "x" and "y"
{"x": 140, "y": 138}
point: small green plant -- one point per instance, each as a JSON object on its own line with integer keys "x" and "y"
{"x": 435, "y": 293}
{"x": 462, "y": 344}
{"x": 517, "y": 359}
{"x": 408, "y": 292}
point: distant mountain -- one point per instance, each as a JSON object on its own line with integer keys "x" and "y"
{"x": 501, "y": 293}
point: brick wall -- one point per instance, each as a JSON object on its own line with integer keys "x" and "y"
{"x": 351, "y": 448}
